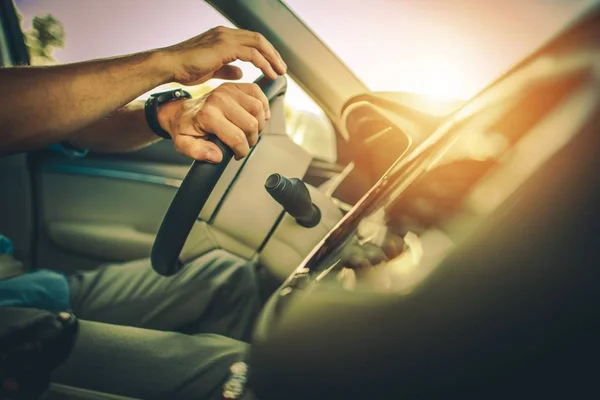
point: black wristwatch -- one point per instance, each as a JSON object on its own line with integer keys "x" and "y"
{"x": 151, "y": 107}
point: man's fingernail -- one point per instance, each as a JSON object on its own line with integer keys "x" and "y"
{"x": 268, "y": 115}
{"x": 212, "y": 157}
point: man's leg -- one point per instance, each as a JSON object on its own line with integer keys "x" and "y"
{"x": 149, "y": 364}
{"x": 216, "y": 293}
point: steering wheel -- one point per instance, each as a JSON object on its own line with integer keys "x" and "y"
{"x": 191, "y": 197}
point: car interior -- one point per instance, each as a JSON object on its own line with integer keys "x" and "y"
{"x": 496, "y": 207}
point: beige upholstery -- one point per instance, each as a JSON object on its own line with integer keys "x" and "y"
{"x": 248, "y": 214}
{"x": 291, "y": 243}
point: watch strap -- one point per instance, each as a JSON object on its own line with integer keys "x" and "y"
{"x": 151, "y": 108}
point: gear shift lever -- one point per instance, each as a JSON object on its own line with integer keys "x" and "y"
{"x": 293, "y": 195}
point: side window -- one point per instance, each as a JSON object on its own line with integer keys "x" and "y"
{"x": 59, "y": 31}
{"x": 4, "y": 55}
{"x": 308, "y": 125}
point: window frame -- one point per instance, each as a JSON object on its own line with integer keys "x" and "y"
{"x": 12, "y": 39}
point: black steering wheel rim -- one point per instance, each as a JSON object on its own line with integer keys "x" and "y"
{"x": 192, "y": 195}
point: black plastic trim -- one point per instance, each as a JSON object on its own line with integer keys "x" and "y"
{"x": 14, "y": 34}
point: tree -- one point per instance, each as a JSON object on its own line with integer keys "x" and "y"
{"x": 46, "y": 35}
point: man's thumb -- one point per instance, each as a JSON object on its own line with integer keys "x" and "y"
{"x": 229, "y": 72}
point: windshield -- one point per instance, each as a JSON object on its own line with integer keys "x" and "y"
{"x": 432, "y": 200}
{"x": 434, "y": 47}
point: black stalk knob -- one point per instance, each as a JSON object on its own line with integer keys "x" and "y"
{"x": 293, "y": 195}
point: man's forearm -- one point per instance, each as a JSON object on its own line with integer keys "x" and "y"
{"x": 41, "y": 106}
{"x": 124, "y": 130}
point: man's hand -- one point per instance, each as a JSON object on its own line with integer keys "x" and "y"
{"x": 208, "y": 56}
{"x": 235, "y": 113}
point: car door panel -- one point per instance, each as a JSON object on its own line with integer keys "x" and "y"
{"x": 102, "y": 209}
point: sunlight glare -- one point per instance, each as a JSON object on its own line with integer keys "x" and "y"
{"x": 441, "y": 77}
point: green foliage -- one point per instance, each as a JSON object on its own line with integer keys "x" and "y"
{"x": 46, "y": 35}
{"x": 50, "y": 32}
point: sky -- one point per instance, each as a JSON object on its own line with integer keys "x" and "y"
{"x": 446, "y": 48}
{"x": 439, "y": 47}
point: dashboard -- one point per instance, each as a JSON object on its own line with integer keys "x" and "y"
{"x": 437, "y": 195}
